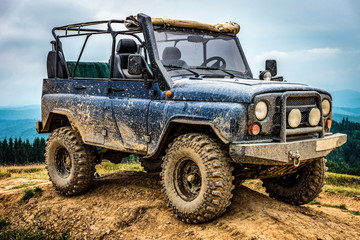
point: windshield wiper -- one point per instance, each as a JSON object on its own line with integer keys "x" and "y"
{"x": 178, "y": 67}
{"x": 213, "y": 68}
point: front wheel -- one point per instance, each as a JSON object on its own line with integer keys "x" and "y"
{"x": 196, "y": 178}
{"x": 70, "y": 164}
{"x": 300, "y": 187}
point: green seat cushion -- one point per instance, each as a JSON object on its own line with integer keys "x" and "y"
{"x": 89, "y": 69}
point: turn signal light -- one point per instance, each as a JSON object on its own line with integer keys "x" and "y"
{"x": 254, "y": 129}
{"x": 328, "y": 124}
{"x": 168, "y": 94}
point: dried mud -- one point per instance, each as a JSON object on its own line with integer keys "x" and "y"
{"x": 129, "y": 205}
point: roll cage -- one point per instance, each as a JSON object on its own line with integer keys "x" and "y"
{"x": 134, "y": 25}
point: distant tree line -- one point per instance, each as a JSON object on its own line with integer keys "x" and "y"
{"x": 21, "y": 152}
{"x": 346, "y": 159}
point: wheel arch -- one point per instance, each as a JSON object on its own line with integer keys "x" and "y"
{"x": 58, "y": 118}
{"x": 177, "y": 127}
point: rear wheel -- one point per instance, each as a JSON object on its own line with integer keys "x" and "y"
{"x": 300, "y": 187}
{"x": 196, "y": 178}
{"x": 70, "y": 163}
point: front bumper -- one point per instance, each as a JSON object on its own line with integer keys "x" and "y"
{"x": 280, "y": 153}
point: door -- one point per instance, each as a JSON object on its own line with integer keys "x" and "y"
{"x": 130, "y": 102}
{"x": 88, "y": 101}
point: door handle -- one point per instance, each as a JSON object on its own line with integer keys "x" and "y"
{"x": 115, "y": 89}
{"x": 80, "y": 87}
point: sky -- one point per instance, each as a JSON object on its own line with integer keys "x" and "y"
{"x": 314, "y": 42}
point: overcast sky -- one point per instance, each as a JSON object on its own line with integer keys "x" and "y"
{"x": 314, "y": 42}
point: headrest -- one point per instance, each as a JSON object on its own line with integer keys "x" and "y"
{"x": 171, "y": 53}
{"x": 126, "y": 46}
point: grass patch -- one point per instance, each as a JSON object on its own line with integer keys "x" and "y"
{"x": 23, "y": 186}
{"x": 42, "y": 175}
{"x": 3, "y": 223}
{"x": 24, "y": 170}
{"x": 347, "y": 191}
{"x": 38, "y": 191}
{"x": 4, "y": 175}
{"x": 314, "y": 203}
{"x": 107, "y": 167}
{"x": 27, "y": 172}
{"x": 341, "y": 206}
{"x": 343, "y": 180}
{"x": 31, "y": 234}
{"x": 8, "y": 233}
{"x": 30, "y": 193}
{"x": 39, "y": 171}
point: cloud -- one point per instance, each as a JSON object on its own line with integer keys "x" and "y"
{"x": 299, "y": 54}
{"x": 329, "y": 68}
{"x": 315, "y": 41}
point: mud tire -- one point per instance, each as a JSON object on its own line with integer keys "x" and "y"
{"x": 301, "y": 187}
{"x": 151, "y": 165}
{"x": 215, "y": 178}
{"x": 76, "y": 175}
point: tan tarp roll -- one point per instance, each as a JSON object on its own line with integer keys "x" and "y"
{"x": 225, "y": 27}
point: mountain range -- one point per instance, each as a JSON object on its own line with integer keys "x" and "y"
{"x": 20, "y": 121}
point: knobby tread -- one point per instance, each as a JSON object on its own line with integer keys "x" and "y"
{"x": 82, "y": 158}
{"x": 216, "y": 164}
{"x": 308, "y": 186}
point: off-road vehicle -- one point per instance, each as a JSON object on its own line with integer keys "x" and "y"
{"x": 180, "y": 95}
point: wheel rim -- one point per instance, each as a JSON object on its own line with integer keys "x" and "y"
{"x": 63, "y": 162}
{"x": 187, "y": 179}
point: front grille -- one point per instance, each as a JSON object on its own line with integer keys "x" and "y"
{"x": 305, "y": 104}
{"x": 300, "y": 101}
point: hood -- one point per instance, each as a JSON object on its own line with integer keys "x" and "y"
{"x": 231, "y": 90}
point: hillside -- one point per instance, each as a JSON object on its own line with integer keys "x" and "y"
{"x": 130, "y": 205}
{"x": 22, "y": 112}
{"x": 19, "y": 122}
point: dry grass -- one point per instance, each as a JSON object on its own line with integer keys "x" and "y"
{"x": 19, "y": 168}
{"x": 36, "y": 171}
{"x": 39, "y": 171}
{"x": 343, "y": 180}
{"x": 108, "y": 167}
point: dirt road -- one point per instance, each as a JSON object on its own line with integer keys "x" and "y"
{"x": 129, "y": 205}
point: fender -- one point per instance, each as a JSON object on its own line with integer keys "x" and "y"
{"x": 183, "y": 120}
{"x": 59, "y": 111}
{"x": 226, "y": 120}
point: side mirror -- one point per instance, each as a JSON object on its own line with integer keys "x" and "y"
{"x": 135, "y": 64}
{"x": 271, "y": 66}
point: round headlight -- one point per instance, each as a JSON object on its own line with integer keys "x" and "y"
{"x": 294, "y": 118}
{"x": 314, "y": 117}
{"x": 261, "y": 110}
{"x": 326, "y": 107}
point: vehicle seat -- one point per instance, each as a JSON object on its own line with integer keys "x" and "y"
{"x": 171, "y": 56}
{"x": 63, "y": 71}
{"x": 124, "y": 49}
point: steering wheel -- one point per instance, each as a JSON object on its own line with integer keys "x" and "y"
{"x": 219, "y": 62}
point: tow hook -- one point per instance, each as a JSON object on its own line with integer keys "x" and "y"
{"x": 295, "y": 157}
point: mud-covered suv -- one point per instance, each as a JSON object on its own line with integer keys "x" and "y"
{"x": 180, "y": 95}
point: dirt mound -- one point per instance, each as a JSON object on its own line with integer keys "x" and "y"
{"x": 129, "y": 205}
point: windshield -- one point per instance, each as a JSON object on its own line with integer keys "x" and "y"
{"x": 199, "y": 54}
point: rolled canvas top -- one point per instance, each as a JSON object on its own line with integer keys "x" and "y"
{"x": 230, "y": 27}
